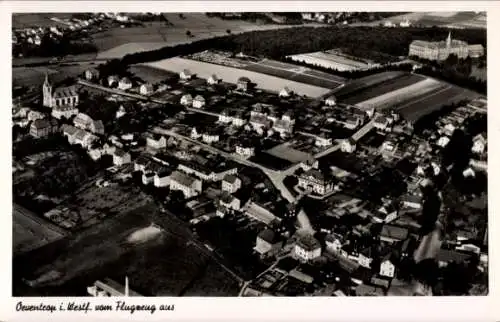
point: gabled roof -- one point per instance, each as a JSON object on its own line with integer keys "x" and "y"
{"x": 394, "y": 232}
{"x": 269, "y": 236}
{"x": 308, "y": 243}
{"x": 182, "y": 178}
{"x": 230, "y": 178}
{"x": 62, "y": 92}
{"x": 40, "y": 123}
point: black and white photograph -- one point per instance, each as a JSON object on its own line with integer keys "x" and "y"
{"x": 249, "y": 154}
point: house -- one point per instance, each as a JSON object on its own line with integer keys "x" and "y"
{"x": 260, "y": 213}
{"x": 244, "y": 150}
{"x": 307, "y": 248}
{"x": 316, "y": 181}
{"x": 322, "y": 140}
{"x": 229, "y": 201}
{"x": 243, "y": 84}
{"x": 365, "y": 257}
{"x": 141, "y": 163}
{"x": 225, "y": 117}
{"x": 238, "y": 120}
{"x": 210, "y": 137}
{"x": 259, "y": 123}
{"x": 198, "y": 101}
{"x": 268, "y": 243}
{"x": 331, "y": 101}
{"x": 381, "y": 123}
{"x": 91, "y": 74}
{"x": 479, "y": 144}
{"x": 125, "y": 83}
{"x": 412, "y": 201}
{"x": 121, "y": 112}
{"x": 283, "y": 127}
{"x": 186, "y": 74}
{"x": 386, "y": 213}
{"x": 113, "y": 80}
{"x": 82, "y": 121}
{"x": 352, "y": 122}
{"x": 162, "y": 177}
{"x": 146, "y": 89}
{"x": 156, "y": 142}
{"x": 35, "y": 115}
{"x": 448, "y": 129}
{"x": 190, "y": 186}
{"x": 348, "y": 145}
{"x": 42, "y": 127}
{"x": 213, "y": 80}
{"x": 195, "y": 134}
{"x": 333, "y": 242}
{"x": 97, "y": 127}
{"x": 443, "y": 141}
{"x": 285, "y": 92}
{"x": 208, "y": 170}
{"x": 387, "y": 268}
{"x": 121, "y": 157}
{"x": 231, "y": 183}
{"x": 468, "y": 173}
{"x": 392, "y": 234}
{"x": 186, "y": 100}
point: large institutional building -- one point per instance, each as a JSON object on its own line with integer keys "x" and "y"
{"x": 440, "y": 50}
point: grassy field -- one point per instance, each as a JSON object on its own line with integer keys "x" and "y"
{"x": 34, "y": 76}
{"x": 31, "y": 232}
{"x": 150, "y": 74}
{"x": 296, "y": 73}
{"x": 228, "y": 74}
{"x": 364, "y": 83}
{"x": 25, "y": 20}
{"x": 330, "y": 60}
{"x": 384, "y": 87}
{"x": 288, "y": 153}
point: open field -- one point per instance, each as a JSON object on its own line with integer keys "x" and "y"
{"x": 34, "y": 76}
{"x": 384, "y": 87}
{"x": 25, "y": 20}
{"x": 118, "y": 42}
{"x": 150, "y": 74}
{"x": 165, "y": 264}
{"x": 448, "y": 19}
{"x": 389, "y": 99}
{"x": 330, "y": 60}
{"x": 228, "y": 74}
{"x": 296, "y": 73}
{"x": 288, "y": 153}
{"x": 420, "y": 106}
{"x": 360, "y": 84}
{"x": 30, "y": 231}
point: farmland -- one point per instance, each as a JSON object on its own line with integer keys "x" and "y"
{"x": 330, "y": 60}
{"x": 228, "y": 74}
{"x": 25, "y": 20}
{"x": 34, "y": 76}
{"x": 31, "y": 232}
{"x": 384, "y": 87}
{"x": 150, "y": 74}
{"x": 358, "y": 85}
{"x": 450, "y": 19}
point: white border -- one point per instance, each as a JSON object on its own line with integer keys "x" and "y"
{"x": 264, "y": 309}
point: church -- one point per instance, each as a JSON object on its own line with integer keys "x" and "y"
{"x": 441, "y": 50}
{"x": 62, "y": 100}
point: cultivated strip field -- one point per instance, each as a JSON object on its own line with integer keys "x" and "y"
{"x": 329, "y": 60}
{"x": 31, "y": 232}
{"x": 296, "y": 73}
{"x": 400, "y": 95}
{"x": 360, "y": 84}
{"x": 384, "y": 87}
{"x": 231, "y": 75}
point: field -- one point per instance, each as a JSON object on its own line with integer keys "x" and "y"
{"x": 286, "y": 152}
{"x": 25, "y": 20}
{"x": 31, "y": 232}
{"x": 330, "y": 60}
{"x": 150, "y": 74}
{"x": 449, "y": 19}
{"x": 361, "y": 84}
{"x": 384, "y": 87}
{"x": 296, "y": 73}
{"x": 231, "y": 75}
{"x": 34, "y": 76}
{"x": 165, "y": 265}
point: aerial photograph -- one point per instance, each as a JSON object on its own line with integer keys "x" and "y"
{"x": 247, "y": 154}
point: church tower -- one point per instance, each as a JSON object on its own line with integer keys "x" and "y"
{"x": 448, "y": 41}
{"x": 47, "y": 92}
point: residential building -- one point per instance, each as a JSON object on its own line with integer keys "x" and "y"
{"x": 156, "y": 142}
{"x": 334, "y": 242}
{"x": 243, "y": 84}
{"x": 210, "y": 137}
{"x": 35, "y": 115}
{"x": 60, "y": 97}
{"x": 91, "y": 74}
{"x": 198, "y": 101}
{"x": 365, "y": 257}
{"x": 162, "y": 177}
{"x": 121, "y": 157}
{"x": 213, "y": 80}
{"x": 245, "y": 150}
{"x": 392, "y": 234}
{"x": 412, "y": 201}
{"x": 323, "y": 140}
{"x": 187, "y": 100}
{"x": 125, "y": 83}
{"x": 238, "y": 120}
{"x": 446, "y": 256}
{"x": 479, "y": 143}
{"x": 387, "y": 268}
{"x": 307, "y": 248}
{"x": 268, "y": 243}
{"x": 225, "y": 117}
{"x": 331, "y": 101}
{"x": 42, "y": 127}
{"x": 208, "y": 170}
{"x": 314, "y": 180}
{"x": 443, "y": 141}
{"x": 229, "y": 201}
{"x": 285, "y": 92}
{"x": 381, "y": 123}
{"x": 231, "y": 183}
{"x": 259, "y": 212}
{"x": 189, "y": 185}
{"x": 186, "y": 74}
{"x": 348, "y": 145}
{"x": 443, "y": 49}
{"x": 352, "y": 123}
{"x": 146, "y": 89}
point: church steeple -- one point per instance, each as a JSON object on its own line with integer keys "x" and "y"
{"x": 47, "y": 91}
{"x": 448, "y": 40}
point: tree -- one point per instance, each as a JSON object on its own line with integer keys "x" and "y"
{"x": 189, "y": 34}
{"x": 228, "y": 31}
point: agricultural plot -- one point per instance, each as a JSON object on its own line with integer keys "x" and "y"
{"x": 392, "y": 98}
{"x": 296, "y": 73}
{"x": 150, "y": 74}
{"x": 34, "y": 76}
{"x": 228, "y": 74}
{"x": 360, "y": 84}
{"x": 286, "y": 152}
{"x": 330, "y": 60}
{"x": 31, "y": 232}
{"x": 26, "y": 20}
{"x": 384, "y": 87}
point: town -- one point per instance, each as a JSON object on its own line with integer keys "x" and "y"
{"x": 226, "y": 172}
